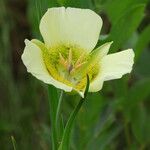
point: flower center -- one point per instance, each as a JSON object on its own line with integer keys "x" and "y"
{"x": 69, "y": 65}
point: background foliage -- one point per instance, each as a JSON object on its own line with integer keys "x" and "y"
{"x": 116, "y": 118}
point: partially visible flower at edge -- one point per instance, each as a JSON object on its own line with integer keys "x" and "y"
{"x": 67, "y": 56}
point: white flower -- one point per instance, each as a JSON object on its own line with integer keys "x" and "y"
{"x": 66, "y": 56}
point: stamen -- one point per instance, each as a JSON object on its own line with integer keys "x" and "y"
{"x": 70, "y": 57}
{"x": 62, "y": 61}
{"x": 77, "y": 67}
{"x": 79, "y": 60}
{"x": 61, "y": 57}
{"x": 68, "y": 64}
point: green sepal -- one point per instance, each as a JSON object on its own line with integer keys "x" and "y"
{"x": 94, "y": 59}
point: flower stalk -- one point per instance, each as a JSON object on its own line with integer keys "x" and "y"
{"x": 64, "y": 58}
{"x": 53, "y": 102}
{"x": 59, "y": 107}
{"x": 67, "y": 132}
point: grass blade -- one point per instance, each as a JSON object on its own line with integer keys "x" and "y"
{"x": 13, "y": 142}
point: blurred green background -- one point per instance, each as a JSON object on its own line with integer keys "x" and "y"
{"x": 116, "y": 118}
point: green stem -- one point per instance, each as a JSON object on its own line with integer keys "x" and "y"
{"x": 67, "y": 132}
{"x": 53, "y": 101}
{"x": 59, "y": 107}
{"x": 65, "y": 140}
{"x": 127, "y": 134}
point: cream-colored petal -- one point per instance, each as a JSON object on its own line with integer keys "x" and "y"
{"x": 32, "y": 59}
{"x": 71, "y": 26}
{"x": 113, "y": 66}
{"x": 97, "y": 84}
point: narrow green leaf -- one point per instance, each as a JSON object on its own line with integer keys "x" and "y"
{"x": 142, "y": 42}
{"x": 78, "y": 3}
{"x": 140, "y": 122}
{"x": 87, "y": 88}
{"x": 136, "y": 94}
{"x": 115, "y": 8}
{"x": 141, "y": 68}
{"x": 125, "y": 26}
{"x": 67, "y": 132}
{"x": 62, "y": 2}
{"x": 35, "y": 10}
{"x": 105, "y": 138}
{"x": 13, "y": 142}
